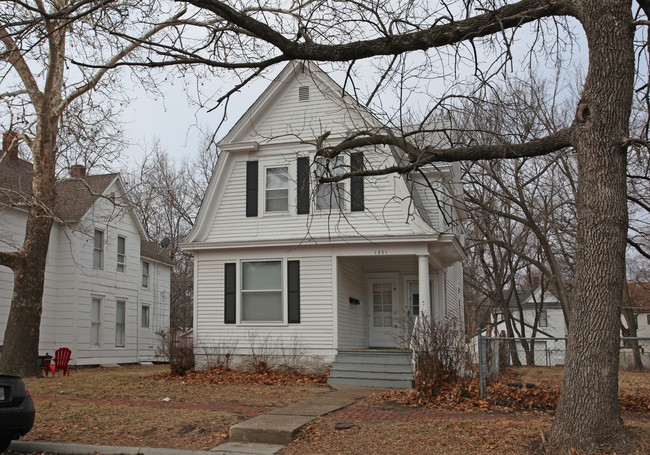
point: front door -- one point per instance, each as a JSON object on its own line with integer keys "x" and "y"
{"x": 384, "y": 330}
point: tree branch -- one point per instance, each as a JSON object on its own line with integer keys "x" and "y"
{"x": 428, "y": 155}
{"x": 509, "y": 16}
{"x": 117, "y": 57}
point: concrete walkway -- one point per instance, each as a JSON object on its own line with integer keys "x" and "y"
{"x": 265, "y": 434}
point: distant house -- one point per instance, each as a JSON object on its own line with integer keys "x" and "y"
{"x": 335, "y": 270}
{"x": 534, "y": 314}
{"x": 107, "y": 288}
{"x": 544, "y": 320}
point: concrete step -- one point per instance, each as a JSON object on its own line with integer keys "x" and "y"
{"x": 384, "y": 360}
{"x": 377, "y": 367}
{"x": 269, "y": 429}
{"x": 335, "y": 373}
{"x": 365, "y": 382}
{"x": 372, "y": 368}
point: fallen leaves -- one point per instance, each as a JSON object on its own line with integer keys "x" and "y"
{"x": 223, "y": 375}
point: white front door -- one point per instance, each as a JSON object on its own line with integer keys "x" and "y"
{"x": 384, "y": 330}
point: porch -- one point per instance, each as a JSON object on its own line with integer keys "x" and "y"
{"x": 378, "y": 300}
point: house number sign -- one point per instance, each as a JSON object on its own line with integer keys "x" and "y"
{"x": 381, "y": 252}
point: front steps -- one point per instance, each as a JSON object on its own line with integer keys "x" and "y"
{"x": 373, "y": 368}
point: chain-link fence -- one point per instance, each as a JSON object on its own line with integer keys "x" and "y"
{"x": 497, "y": 353}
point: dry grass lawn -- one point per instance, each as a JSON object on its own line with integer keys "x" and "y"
{"x": 489, "y": 432}
{"x": 124, "y": 406}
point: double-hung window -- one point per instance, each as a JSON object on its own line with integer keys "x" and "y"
{"x": 96, "y": 322}
{"x": 98, "y": 250}
{"x": 261, "y": 291}
{"x": 120, "y": 323}
{"x": 277, "y": 189}
{"x": 121, "y": 253}
{"x": 329, "y": 195}
{"x": 543, "y": 319}
{"x": 145, "y": 274}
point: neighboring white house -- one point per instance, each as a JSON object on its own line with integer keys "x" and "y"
{"x": 329, "y": 269}
{"x": 107, "y": 290}
{"x": 535, "y": 314}
{"x": 543, "y": 319}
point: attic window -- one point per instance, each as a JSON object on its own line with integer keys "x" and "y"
{"x": 303, "y": 93}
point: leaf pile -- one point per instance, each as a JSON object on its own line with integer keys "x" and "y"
{"x": 224, "y": 375}
{"x": 499, "y": 396}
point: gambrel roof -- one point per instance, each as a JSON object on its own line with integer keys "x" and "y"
{"x": 300, "y": 106}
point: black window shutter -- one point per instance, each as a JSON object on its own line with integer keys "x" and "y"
{"x": 303, "y": 185}
{"x": 230, "y": 293}
{"x": 293, "y": 286}
{"x": 356, "y": 183}
{"x": 251, "y": 188}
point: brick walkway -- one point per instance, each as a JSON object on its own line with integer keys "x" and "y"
{"x": 380, "y": 415}
{"x": 404, "y": 414}
{"x": 245, "y": 410}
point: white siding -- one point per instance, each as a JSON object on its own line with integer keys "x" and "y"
{"x": 352, "y": 319}
{"x": 71, "y": 283}
{"x": 289, "y": 118}
{"x": 384, "y": 213}
{"x": 314, "y": 333}
{"x": 157, "y": 297}
{"x": 455, "y": 307}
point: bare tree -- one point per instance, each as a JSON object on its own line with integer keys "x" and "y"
{"x": 167, "y": 197}
{"x": 258, "y": 36}
{"x": 447, "y": 35}
{"x": 40, "y": 43}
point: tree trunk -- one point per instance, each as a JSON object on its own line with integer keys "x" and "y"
{"x": 588, "y": 417}
{"x": 20, "y": 348}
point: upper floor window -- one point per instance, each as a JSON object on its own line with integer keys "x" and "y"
{"x": 543, "y": 319}
{"x": 98, "y": 250}
{"x": 277, "y": 189}
{"x": 329, "y": 195}
{"x": 121, "y": 253}
{"x": 145, "y": 274}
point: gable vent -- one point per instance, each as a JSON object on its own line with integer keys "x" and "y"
{"x": 303, "y": 93}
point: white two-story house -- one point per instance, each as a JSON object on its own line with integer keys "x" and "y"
{"x": 336, "y": 270}
{"x": 107, "y": 289}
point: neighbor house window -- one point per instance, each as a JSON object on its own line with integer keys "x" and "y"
{"x": 120, "y": 323}
{"x": 277, "y": 189}
{"x": 98, "y": 250}
{"x": 145, "y": 274}
{"x": 96, "y": 322}
{"x": 648, "y": 319}
{"x": 144, "y": 317}
{"x": 121, "y": 253}
{"x": 543, "y": 319}
{"x": 329, "y": 195}
{"x": 261, "y": 291}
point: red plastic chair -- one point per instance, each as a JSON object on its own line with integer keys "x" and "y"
{"x": 61, "y": 359}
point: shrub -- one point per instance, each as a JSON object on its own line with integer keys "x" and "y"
{"x": 440, "y": 354}
{"x": 178, "y": 350}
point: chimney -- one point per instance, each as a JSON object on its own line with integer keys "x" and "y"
{"x": 10, "y": 145}
{"x": 78, "y": 171}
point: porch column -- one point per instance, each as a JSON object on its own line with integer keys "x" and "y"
{"x": 423, "y": 286}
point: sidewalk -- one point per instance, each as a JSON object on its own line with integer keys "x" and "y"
{"x": 265, "y": 434}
